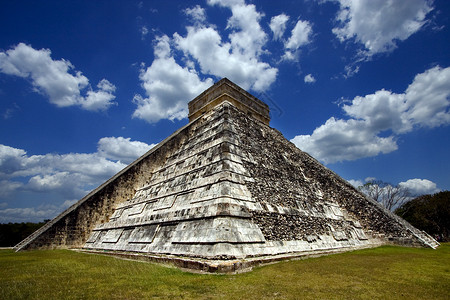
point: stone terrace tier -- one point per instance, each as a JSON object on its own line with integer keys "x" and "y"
{"x": 225, "y": 90}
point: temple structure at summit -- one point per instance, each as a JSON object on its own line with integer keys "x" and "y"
{"x": 223, "y": 193}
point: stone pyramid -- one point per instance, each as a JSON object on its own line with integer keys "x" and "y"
{"x": 223, "y": 193}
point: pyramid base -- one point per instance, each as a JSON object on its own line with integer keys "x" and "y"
{"x": 232, "y": 265}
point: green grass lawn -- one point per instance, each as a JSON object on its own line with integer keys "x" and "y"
{"x": 380, "y": 273}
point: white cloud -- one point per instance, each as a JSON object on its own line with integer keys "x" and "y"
{"x": 278, "y": 26}
{"x": 417, "y": 187}
{"x": 380, "y": 111}
{"x": 339, "y": 140}
{"x": 101, "y": 99}
{"x": 69, "y": 175}
{"x": 300, "y": 36}
{"x": 197, "y": 14}
{"x": 168, "y": 85}
{"x": 247, "y": 36}
{"x": 11, "y": 161}
{"x": 376, "y": 119}
{"x": 122, "y": 149}
{"x": 53, "y": 78}
{"x": 7, "y": 187}
{"x": 226, "y": 2}
{"x": 425, "y": 104}
{"x": 428, "y": 98}
{"x": 380, "y": 24}
{"x": 90, "y": 166}
{"x": 222, "y": 60}
{"x": 65, "y": 184}
{"x": 309, "y": 79}
{"x": 18, "y": 215}
{"x": 33, "y": 214}
{"x": 48, "y": 181}
{"x": 238, "y": 59}
{"x": 144, "y": 32}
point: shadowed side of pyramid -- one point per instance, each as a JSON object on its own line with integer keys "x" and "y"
{"x": 222, "y": 193}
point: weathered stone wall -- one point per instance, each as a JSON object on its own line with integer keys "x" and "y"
{"x": 195, "y": 203}
{"x": 284, "y": 176}
{"x": 73, "y": 227}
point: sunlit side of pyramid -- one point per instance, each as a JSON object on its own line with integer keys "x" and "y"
{"x": 222, "y": 192}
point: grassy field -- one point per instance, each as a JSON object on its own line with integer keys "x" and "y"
{"x": 381, "y": 273}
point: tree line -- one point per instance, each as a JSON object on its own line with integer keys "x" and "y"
{"x": 12, "y": 233}
{"x": 430, "y": 213}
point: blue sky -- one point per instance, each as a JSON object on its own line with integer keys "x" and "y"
{"x": 86, "y": 87}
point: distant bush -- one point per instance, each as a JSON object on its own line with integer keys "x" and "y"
{"x": 430, "y": 213}
{"x": 12, "y": 233}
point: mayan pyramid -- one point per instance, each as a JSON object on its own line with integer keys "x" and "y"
{"x": 223, "y": 193}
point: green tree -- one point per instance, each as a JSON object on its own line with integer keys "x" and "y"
{"x": 12, "y": 233}
{"x": 430, "y": 213}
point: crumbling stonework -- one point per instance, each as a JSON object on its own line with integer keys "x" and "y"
{"x": 73, "y": 226}
{"x": 304, "y": 184}
{"x": 222, "y": 192}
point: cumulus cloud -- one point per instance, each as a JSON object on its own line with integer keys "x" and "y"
{"x": 278, "y": 26}
{"x": 10, "y": 160}
{"x": 7, "y": 187}
{"x": 100, "y": 99}
{"x": 339, "y": 140}
{"x": 33, "y": 214}
{"x": 66, "y": 184}
{"x": 380, "y": 111}
{"x": 309, "y": 79}
{"x": 56, "y": 79}
{"x": 122, "y": 149}
{"x": 221, "y": 60}
{"x": 428, "y": 98}
{"x": 300, "y": 36}
{"x": 197, "y": 14}
{"x": 169, "y": 86}
{"x": 378, "y": 24}
{"x": 69, "y": 175}
{"x": 417, "y": 187}
{"x": 424, "y": 103}
{"x": 239, "y": 58}
{"x": 247, "y": 36}
{"x": 377, "y": 119}
{"x": 172, "y": 79}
